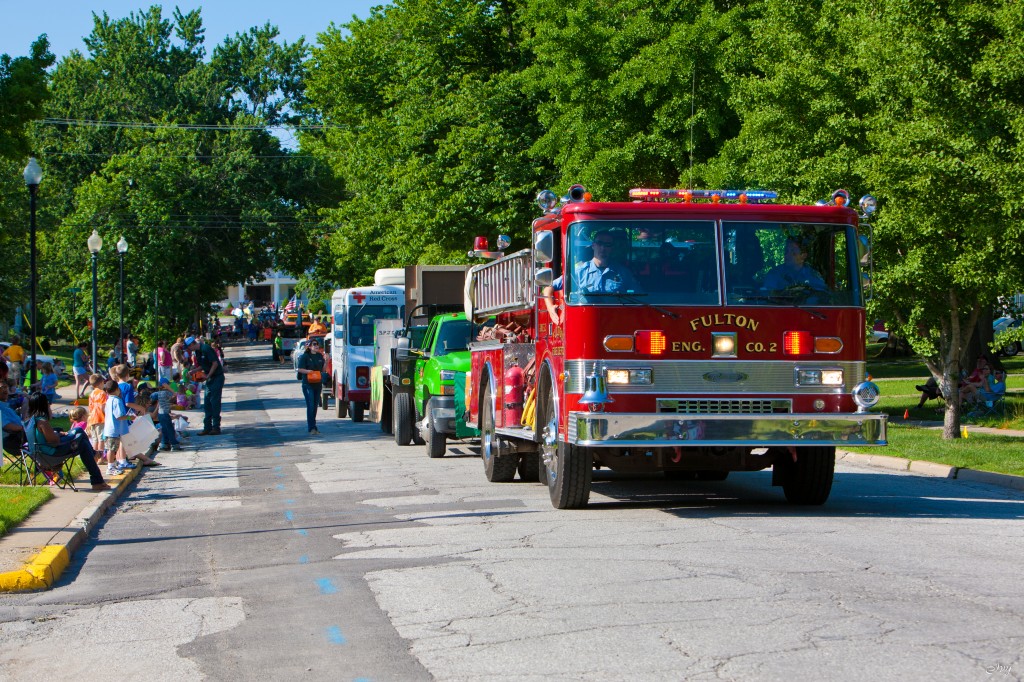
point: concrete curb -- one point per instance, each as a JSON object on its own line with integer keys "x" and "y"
{"x": 932, "y": 469}
{"x": 44, "y": 569}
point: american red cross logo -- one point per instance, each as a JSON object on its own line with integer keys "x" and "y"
{"x": 360, "y": 297}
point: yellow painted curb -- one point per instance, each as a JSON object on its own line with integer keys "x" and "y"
{"x": 39, "y": 573}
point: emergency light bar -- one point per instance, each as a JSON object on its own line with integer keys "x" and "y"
{"x": 713, "y": 195}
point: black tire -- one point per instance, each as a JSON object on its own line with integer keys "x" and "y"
{"x": 808, "y": 480}
{"x": 402, "y": 418}
{"x": 340, "y": 406}
{"x": 437, "y": 442}
{"x": 1011, "y": 349}
{"x": 325, "y": 401}
{"x": 529, "y": 467}
{"x": 355, "y": 409}
{"x": 567, "y": 469}
{"x": 496, "y": 469}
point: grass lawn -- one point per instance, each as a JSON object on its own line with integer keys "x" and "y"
{"x": 985, "y": 452}
{"x": 17, "y": 503}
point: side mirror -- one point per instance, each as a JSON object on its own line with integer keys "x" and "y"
{"x": 544, "y": 247}
{"x": 544, "y": 277}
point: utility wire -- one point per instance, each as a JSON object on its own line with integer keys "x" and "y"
{"x": 182, "y": 126}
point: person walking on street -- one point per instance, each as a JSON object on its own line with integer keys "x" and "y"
{"x": 311, "y": 365}
{"x": 214, "y": 385}
{"x": 279, "y": 348}
{"x": 81, "y": 366}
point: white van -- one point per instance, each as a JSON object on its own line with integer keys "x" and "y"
{"x": 353, "y": 314}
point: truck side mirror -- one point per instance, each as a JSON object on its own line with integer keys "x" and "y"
{"x": 544, "y": 247}
{"x": 544, "y": 277}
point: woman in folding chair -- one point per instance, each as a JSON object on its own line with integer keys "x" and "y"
{"x": 51, "y": 450}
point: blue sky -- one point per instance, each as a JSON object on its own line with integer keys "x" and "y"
{"x": 66, "y": 22}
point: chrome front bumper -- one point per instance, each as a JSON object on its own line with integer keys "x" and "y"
{"x": 761, "y": 430}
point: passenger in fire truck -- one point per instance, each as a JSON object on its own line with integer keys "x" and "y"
{"x": 793, "y": 274}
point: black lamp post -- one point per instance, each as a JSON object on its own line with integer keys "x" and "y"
{"x": 122, "y": 248}
{"x": 95, "y": 244}
{"x": 33, "y": 176}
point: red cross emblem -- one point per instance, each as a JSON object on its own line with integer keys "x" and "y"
{"x": 359, "y": 296}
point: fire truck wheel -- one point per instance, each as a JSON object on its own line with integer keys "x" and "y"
{"x": 355, "y": 408}
{"x": 808, "y": 480}
{"x": 340, "y": 408}
{"x": 437, "y": 444}
{"x": 529, "y": 467}
{"x": 325, "y": 400}
{"x": 402, "y": 418}
{"x": 497, "y": 469}
{"x": 566, "y": 469}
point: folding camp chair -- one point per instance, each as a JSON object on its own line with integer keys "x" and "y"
{"x": 16, "y": 462}
{"x": 990, "y": 405}
{"x": 56, "y": 468}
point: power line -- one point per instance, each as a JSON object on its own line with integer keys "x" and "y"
{"x": 182, "y": 126}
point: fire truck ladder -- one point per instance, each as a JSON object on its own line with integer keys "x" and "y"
{"x": 504, "y": 285}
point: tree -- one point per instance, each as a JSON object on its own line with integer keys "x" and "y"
{"x": 428, "y": 129}
{"x": 899, "y": 98}
{"x": 22, "y": 95}
{"x": 183, "y": 166}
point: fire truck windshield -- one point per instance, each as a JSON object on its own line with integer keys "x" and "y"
{"x": 790, "y": 264}
{"x": 623, "y": 262}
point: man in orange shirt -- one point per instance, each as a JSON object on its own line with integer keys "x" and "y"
{"x": 15, "y": 355}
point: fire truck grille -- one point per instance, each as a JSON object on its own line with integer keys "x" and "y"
{"x": 736, "y": 406}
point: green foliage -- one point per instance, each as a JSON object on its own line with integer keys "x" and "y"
{"x": 429, "y": 131}
{"x": 203, "y": 193}
{"x": 22, "y": 94}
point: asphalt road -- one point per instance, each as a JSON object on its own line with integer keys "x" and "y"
{"x": 268, "y": 554}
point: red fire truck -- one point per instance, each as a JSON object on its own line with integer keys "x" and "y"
{"x": 692, "y": 332}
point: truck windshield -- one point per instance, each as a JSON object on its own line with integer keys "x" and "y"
{"x": 360, "y": 322}
{"x": 452, "y": 336}
{"x": 643, "y": 262}
{"x": 659, "y": 263}
{"x": 790, "y": 264}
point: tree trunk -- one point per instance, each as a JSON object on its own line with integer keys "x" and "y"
{"x": 950, "y": 386}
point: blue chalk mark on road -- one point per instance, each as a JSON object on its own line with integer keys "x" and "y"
{"x": 334, "y": 635}
{"x": 277, "y": 454}
{"x": 277, "y": 468}
{"x": 289, "y": 515}
{"x": 304, "y": 559}
{"x": 280, "y": 486}
{"x": 326, "y": 586}
{"x": 302, "y": 531}
{"x": 289, "y": 502}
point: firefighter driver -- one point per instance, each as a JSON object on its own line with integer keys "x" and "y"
{"x": 604, "y": 273}
{"x": 794, "y": 271}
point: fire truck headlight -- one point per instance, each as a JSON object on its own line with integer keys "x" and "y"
{"x": 808, "y": 377}
{"x": 447, "y": 375}
{"x": 636, "y": 377}
{"x": 832, "y": 377}
{"x": 865, "y": 394}
{"x": 819, "y": 377}
{"x": 724, "y": 344}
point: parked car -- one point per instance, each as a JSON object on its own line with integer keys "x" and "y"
{"x": 1002, "y": 324}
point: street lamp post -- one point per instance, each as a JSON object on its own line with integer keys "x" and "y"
{"x": 122, "y": 248}
{"x": 33, "y": 176}
{"x": 95, "y": 244}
